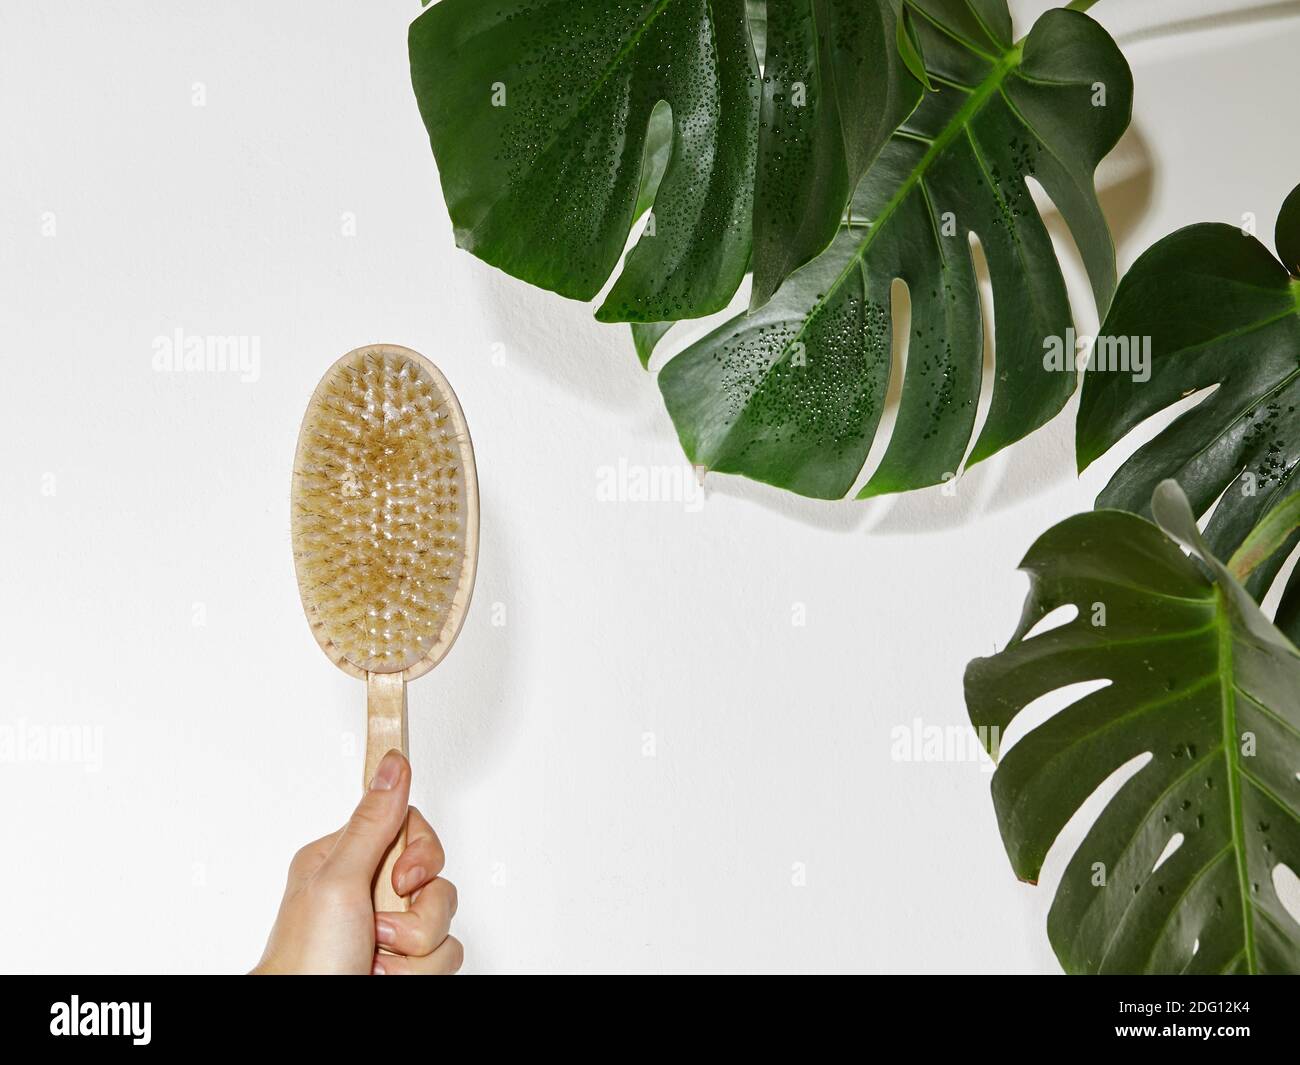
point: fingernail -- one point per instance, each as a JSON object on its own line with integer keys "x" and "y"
{"x": 377, "y": 969}
{"x": 410, "y": 879}
{"x": 385, "y": 932}
{"x": 387, "y": 773}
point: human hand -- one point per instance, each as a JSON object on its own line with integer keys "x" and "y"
{"x": 327, "y": 922}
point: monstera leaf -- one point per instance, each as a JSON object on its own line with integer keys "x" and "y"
{"x": 1177, "y": 872}
{"x": 833, "y": 92}
{"x": 792, "y": 394}
{"x": 539, "y": 110}
{"x": 1213, "y": 308}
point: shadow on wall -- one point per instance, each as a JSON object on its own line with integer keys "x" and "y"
{"x": 1243, "y": 17}
{"x": 560, "y": 342}
{"x": 465, "y": 712}
{"x": 1126, "y": 180}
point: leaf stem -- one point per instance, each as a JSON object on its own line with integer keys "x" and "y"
{"x": 1267, "y": 537}
{"x": 1231, "y": 740}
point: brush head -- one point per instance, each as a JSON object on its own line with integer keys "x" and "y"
{"x": 385, "y": 513}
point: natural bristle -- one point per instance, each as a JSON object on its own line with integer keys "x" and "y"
{"x": 379, "y": 522}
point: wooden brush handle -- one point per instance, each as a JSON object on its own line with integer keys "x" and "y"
{"x": 385, "y": 731}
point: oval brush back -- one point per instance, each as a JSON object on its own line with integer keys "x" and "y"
{"x": 385, "y": 532}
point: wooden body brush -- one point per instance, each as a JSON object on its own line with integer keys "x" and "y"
{"x": 385, "y": 534}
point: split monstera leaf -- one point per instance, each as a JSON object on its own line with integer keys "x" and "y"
{"x": 878, "y": 138}
{"x": 1179, "y": 872}
{"x": 546, "y": 115}
{"x": 793, "y": 393}
{"x": 1221, "y": 315}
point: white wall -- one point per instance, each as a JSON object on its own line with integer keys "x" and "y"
{"x": 130, "y": 496}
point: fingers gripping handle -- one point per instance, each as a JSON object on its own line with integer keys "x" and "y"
{"x": 385, "y": 731}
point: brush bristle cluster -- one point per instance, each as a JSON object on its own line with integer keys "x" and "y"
{"x": 378, "y": 511}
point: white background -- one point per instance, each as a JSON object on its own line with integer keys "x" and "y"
{"x": 228, "y": 744}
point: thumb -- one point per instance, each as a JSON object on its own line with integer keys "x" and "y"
{"x": 374, "y": 823}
